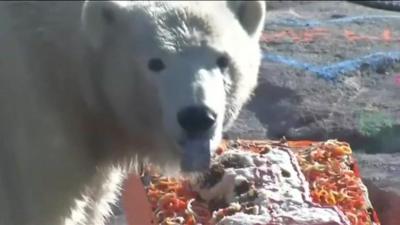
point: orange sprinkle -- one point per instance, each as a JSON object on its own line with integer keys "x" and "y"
{"x": 325, "y": 165}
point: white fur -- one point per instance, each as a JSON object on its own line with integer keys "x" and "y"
{"x": 79, "y": 107}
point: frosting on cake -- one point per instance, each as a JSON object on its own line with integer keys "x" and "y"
{"x": 267, "y": 183}
{"x": 281, "y": 191}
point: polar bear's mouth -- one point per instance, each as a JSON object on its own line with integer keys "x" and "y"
{"x": 196, "y": 154}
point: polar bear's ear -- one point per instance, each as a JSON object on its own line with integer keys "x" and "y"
{"x": 99, "y": 19}
{"x": 251, "y": 15}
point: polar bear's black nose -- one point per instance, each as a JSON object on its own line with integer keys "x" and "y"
{"x": 196, "y": 119}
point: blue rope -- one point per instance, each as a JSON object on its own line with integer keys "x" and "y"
{"x": 313, "y": 23}
{"x": 332, "y": 71}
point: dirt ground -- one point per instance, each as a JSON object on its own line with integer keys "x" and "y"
{"x": 332, "y": 37}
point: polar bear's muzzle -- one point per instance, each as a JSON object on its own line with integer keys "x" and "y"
{"x": 196, "y": 120}
{"x": 198, "y": 123}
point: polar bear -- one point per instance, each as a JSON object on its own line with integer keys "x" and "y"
{"x": 90, "y": 90}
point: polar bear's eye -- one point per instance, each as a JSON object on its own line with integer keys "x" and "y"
{"x": 156, "y": 65}
{"x": 223, "y": 62}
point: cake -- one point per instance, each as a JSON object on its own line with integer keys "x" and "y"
{"x": 266, "y": 183}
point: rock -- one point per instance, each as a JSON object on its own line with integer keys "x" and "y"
{"x": 383, "y": 170}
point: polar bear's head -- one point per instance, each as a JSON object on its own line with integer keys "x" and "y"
{"x": 180, "y": 71}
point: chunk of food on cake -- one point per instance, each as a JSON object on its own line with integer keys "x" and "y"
{"x": 266, "y": 183}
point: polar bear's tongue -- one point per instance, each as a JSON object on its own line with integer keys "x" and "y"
{"x": 196, "y": 155}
